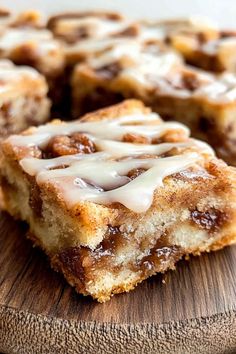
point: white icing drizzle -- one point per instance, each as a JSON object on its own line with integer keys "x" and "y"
{"x": 89, "y": 46}
{"x": 95, "y": 27}
{"x": 221, "y": 88}
{"x": 99, "y": 32}
{"x": 102, "y": 177}
{"x": 163, "y": 71}
{"x": 214, "y": 47}
{"x": 185, "y": 25}
{"x": 105, "y": 130}
{"x": 119, "y": 149}
{"x": 136, "y": 195}
{"x": 11, "y": 38}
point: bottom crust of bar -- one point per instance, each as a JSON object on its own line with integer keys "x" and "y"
{"x": 121, "y": 261}
{"x": 73, "y": 263}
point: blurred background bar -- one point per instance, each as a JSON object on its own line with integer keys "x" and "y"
{"x": 223, "y": 12}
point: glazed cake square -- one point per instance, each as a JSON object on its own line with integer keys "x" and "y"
{"x": 23, "y": 98}
{"x": 201, "y": 42}
{"x": 118, "y": 196}
{"x": 205, "y": 102}
{"x": 215, "y": 53}
{"x": 29, "y": 45}
{"x": 83, "y": 34}
{"x": 87, "y": 34}
{"x": 25, "y": 41}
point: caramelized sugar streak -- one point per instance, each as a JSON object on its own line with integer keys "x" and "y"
{"x": 131, "y": 31}
{"x": 184, "y": 80}
{"x": 136, "y": 139}
{"x": 82, "y": 261}
{"x": 159, "y": 257}
{"x": 209, "y": 220}
{"x": 35, "y": 201}
{"x": 71, "y": 258}
{"x": 109, "y": 71}
{"x": 135, "y": 173}
{"x": 78, "y": 259}
{"x": 61, "y": 145}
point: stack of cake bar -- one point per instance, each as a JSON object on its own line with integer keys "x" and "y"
{"x": 124, "y": 192}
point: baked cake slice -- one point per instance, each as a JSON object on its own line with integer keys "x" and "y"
{"x": 32, "y": 46}
{"x": 83, "y": 34}
{"x": 201, "y": 42}
{"x": 203, "y": 101}
{"x": 118, "y": 196}
{"x": 86, "y": 34}
{"x": 26, "y": 42}
{"x": 23, "y": 98}
{"x": 209, "y": 49}
{"x": 195, "y": 26}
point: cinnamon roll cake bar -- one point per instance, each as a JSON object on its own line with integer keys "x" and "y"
{"x": 27, "y": 45}
{"x": 203, "y": 101}
{"x": 118, "y": 196}
{"x": 74, "y": 26}
{"x": 25, "y": 41}
{"x": 23, "y": 98}
{"x": 86, "y": 34}
{"x": 83, "y": 34}
{"x": 201, "y": 42}
{"x": 210, "y": 50}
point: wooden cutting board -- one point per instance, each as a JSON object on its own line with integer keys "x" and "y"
{"x": 190, "y": 310}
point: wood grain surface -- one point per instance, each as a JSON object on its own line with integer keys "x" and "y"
{"x": 190, "y": 310}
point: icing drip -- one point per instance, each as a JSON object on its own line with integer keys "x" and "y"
{"x": 95, "y": 27}
{"x": 105, "y": 130}
{"x": 103, "y": 177}
{"x": 136, "y": 195}
{"x": 137, "y": 61}
{"x": 163, "y": 71}
{"x": 14, "y": 37}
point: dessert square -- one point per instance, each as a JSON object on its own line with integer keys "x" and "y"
{"x": 215, "y": 55}
{"x": 84, "y": 34}
{"x": 165, "y": 30}
{"x": 25, "y": 41}
{"x": 27, "y": 45}
{"x": 118, "y": 196}
{"x": 203, "y": 101}
{"x": 23, "y": 98}
{"x": 199, "y": 41}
